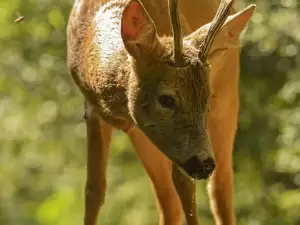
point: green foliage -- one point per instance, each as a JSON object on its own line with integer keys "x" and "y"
{"x": 42, "y": 134}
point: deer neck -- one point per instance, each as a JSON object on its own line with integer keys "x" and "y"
{"x": 105, "y": 66}
{"x": 198, "y": 12}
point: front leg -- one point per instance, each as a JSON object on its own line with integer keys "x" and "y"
{"x": 159, "y": 169}
{"x": 174, "y": 190}
{"x": 98, "y": 139}
{"x": 186, "y": 189}
{"x": 220, "y": 186}
{"x": 222, "y": 127}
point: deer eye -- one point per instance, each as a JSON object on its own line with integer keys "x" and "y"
{"x": 166, "y": 101}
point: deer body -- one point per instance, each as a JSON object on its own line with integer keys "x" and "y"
{"x": 120, "y": 56}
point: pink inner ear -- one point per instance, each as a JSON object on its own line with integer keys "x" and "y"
{"x": 132, "y": 20}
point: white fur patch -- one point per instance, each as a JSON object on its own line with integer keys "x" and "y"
{"x": 77, "y": 6}
{"x": 108, "y": 37}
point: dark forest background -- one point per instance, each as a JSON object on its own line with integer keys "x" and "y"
{"x": 42, "y": 132}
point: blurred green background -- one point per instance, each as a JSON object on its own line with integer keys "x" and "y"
{"x": 42, "y": 133}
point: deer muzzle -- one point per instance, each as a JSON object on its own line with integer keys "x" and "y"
{"x": 198, "y": 169}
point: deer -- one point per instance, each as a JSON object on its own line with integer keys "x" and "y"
{"x": 165, "y": 73}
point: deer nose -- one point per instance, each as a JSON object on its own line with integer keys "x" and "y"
{"x": 198, "y": 169}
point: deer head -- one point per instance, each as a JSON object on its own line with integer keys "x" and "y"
{"x": 169, "y": 93}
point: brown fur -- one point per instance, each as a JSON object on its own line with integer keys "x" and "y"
{"x": 123, "y": 71}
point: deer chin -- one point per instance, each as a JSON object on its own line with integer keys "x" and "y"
{"x": 196, "y": 175}
{"x": 183, "y": 171}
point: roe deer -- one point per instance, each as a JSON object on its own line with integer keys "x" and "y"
{"x": 138, "y": 73}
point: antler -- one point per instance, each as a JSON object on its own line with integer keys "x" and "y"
{"x": 177, "y": 34}
{"x": 216, "y": 25}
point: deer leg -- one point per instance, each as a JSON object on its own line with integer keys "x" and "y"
{"x": 98, "y": 139}
{"x": 159, "y": 169}
{"x": 186, "y": 189}
{"x": 220, "y": 186}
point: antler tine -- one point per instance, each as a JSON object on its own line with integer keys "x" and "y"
{"x": 177, "y": 34}
{"x": 216, "y": 25}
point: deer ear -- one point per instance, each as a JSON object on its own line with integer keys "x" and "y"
{"x": 138, "y": 31}
{"x": 230, "y": 31}
{"x": 228, "y": 36}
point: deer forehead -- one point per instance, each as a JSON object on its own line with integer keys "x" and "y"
{"x": 190, "y": 86}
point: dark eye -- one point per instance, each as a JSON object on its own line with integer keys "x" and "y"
{"x": 166, "y": 101}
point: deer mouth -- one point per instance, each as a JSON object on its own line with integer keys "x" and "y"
{"x": 198, "y": 169}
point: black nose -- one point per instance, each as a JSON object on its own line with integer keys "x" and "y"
{"x": 198, "y": 169}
